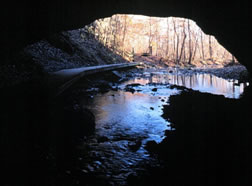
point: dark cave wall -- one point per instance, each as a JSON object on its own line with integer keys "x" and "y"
{"x": 28, "y": 21}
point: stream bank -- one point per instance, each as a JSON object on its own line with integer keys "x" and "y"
{"x": 211, "y": 138}
{"x": 235, "y": 72}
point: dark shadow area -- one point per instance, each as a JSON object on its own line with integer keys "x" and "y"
{"x": 39, "y": 135}
{"x": 211, "y": 144}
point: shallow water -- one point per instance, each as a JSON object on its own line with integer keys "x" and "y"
{"x": 126, "y": 121}
{"x": 197, "y": 81}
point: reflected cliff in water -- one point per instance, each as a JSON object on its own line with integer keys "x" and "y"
{"x": 196, "y": 81}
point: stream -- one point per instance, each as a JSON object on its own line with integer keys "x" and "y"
{"x": 129, "y": 117}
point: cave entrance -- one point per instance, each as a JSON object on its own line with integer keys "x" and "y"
{"x": 168, "y": 41}
{"x": 176, "y": 45}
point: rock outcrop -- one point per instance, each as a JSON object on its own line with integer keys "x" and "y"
{"x": 71, "y": 49}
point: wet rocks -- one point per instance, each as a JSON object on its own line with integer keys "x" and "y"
{"x": 117, "y": 74}
{"x": 177, "y": 87}
{"x": 154, "y": 90}
{"x": 155, "y": 84}
{"x": 104, "y": 87}
{"x": 130, "y": 87}
{"x": 134, "y": 85}
{"x": 102, "y": 139}
{"x": 134, "y": 146}
{"x": 98, "y": 83}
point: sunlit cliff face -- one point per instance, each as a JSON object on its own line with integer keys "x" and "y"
{"x": 175, "y": 39}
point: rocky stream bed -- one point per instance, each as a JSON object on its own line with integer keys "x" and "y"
{"x": 139, "y": 127}
{"x": 152, "y": 130}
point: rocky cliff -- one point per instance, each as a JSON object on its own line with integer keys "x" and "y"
{"x": 70, "y": 49}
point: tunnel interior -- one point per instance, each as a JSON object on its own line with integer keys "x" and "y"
{"x": 55, "y": 141}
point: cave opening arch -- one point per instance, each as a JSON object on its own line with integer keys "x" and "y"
{"x": 29, "y": 21}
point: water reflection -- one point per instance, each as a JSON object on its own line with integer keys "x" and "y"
{"x": 135, "y": 115}
{"x": 126, "y": 121}
{"x": 202, "y": 82}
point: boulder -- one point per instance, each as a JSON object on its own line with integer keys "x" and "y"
{"x": 154, "y": 89}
